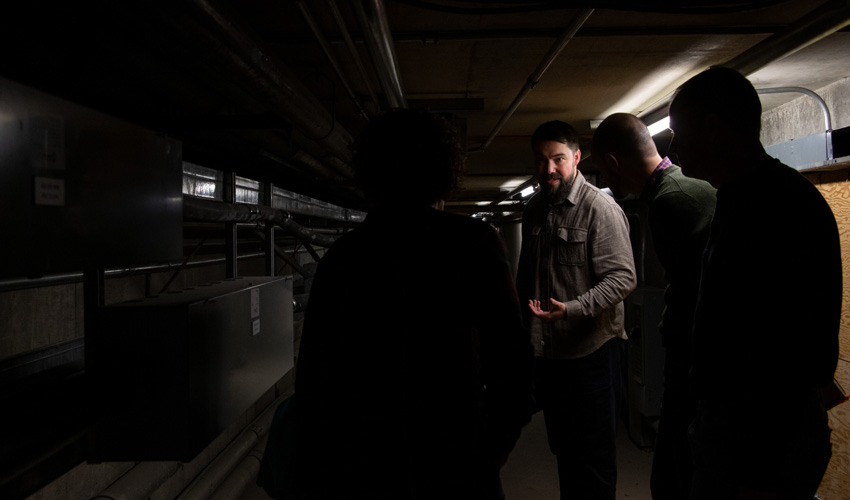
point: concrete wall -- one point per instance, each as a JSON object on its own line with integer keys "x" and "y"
{"x": 802, "y": 116}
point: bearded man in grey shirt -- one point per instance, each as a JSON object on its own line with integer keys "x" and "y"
{"x": 577, "y": 262}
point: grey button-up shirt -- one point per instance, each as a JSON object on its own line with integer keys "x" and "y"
{"x": 577, "y": 251}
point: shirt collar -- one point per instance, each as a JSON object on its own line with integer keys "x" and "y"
{"x": 578, "y": 182}
{"x": 651, "y": 183}
{"x": 661, "y": 167}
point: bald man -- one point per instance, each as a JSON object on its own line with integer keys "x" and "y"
{"x": 680, "y": 212}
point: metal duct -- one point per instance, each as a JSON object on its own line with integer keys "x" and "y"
{"x": 372, "y": 17}
{"x": 248, "y": 62}
{"x": 534, "y": 78}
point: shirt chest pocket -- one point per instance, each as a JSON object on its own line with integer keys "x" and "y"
{"x": 570, "y": 246}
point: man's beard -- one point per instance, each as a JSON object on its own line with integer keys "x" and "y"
{"x": 555, "y": 194}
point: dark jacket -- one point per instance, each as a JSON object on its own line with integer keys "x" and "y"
{"x": 414, "y": 368}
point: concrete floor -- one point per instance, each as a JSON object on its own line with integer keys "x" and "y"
{"x": 531, "y": 472}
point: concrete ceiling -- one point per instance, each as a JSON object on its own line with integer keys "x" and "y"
{"x": 246, "y": 85}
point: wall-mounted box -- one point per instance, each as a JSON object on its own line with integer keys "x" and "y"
{"x": 81, "y": 189}
{"x": 170, "y": 373}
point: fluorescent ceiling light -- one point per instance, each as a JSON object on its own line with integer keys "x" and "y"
{"x": 659, "y": 126}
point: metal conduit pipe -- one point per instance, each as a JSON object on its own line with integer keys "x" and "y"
{"x": 334, "y": 9}
{"x": 323, "y": 43}
{"x": 534, "y": 77}
{"x": 818, "y": 99}
{"x": 216, "y": 211}
{"x": 372, "y": 17}
{"x": 218, "y": 471}
{"x": 243, "y": 476}
{"x": 211, "y": 30}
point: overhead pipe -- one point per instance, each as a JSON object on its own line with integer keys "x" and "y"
{"x": 323, "y": 43}
{"x": 819, "y": 100}
{"x": 372, "y": 17}
{"x": 245, "y": 58}
{"x": 343, "y": 29}
{"x": 534, "y": 78}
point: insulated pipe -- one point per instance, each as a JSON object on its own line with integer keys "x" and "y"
{"x": 372, "y": 17}
{"x": 323, "y": 43}
{"x": 818, "y": 99}
{"x": 244, "y": 58}
{"x": 352, "y": 49}
{"x": 534, "y": 78}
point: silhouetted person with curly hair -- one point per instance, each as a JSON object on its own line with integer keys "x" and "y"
{"x": 414, "y": 374}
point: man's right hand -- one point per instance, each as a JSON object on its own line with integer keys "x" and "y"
{"x": 556, "y": 311}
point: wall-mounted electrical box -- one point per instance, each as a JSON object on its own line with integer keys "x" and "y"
{"x": 168, "y": 374}
{"x": 81, "y": 189}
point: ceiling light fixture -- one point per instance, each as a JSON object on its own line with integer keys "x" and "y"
{"x": 659, "y": 126}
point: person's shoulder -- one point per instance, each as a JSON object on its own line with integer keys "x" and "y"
{"x": 786, "y": 181}
{"x": 597, "y": 199}
{"x": 675, "y": 187}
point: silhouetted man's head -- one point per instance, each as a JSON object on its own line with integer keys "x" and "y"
{"x": 407, "y": 157}
{"x": 711, "y": 115}
{"x": 621, "y": 147}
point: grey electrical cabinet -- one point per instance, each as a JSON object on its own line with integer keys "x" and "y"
{"x": 170, "y": 373}
{"x": 82, "y": 189}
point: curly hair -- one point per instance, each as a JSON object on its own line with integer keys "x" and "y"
{"x": 409, "y": 157}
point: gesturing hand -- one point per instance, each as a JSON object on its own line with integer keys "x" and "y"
{"x": 556, "y": 310}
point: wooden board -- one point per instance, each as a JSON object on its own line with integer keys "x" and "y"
{"x": 835, "y": 187}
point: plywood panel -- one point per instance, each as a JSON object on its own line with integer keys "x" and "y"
{"x": 836, "y": 481}
{"x": 835, "y": 187}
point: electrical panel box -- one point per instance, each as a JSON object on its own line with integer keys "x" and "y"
{"x": 170, "y": 373}
{"x": 81, "y": 189}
